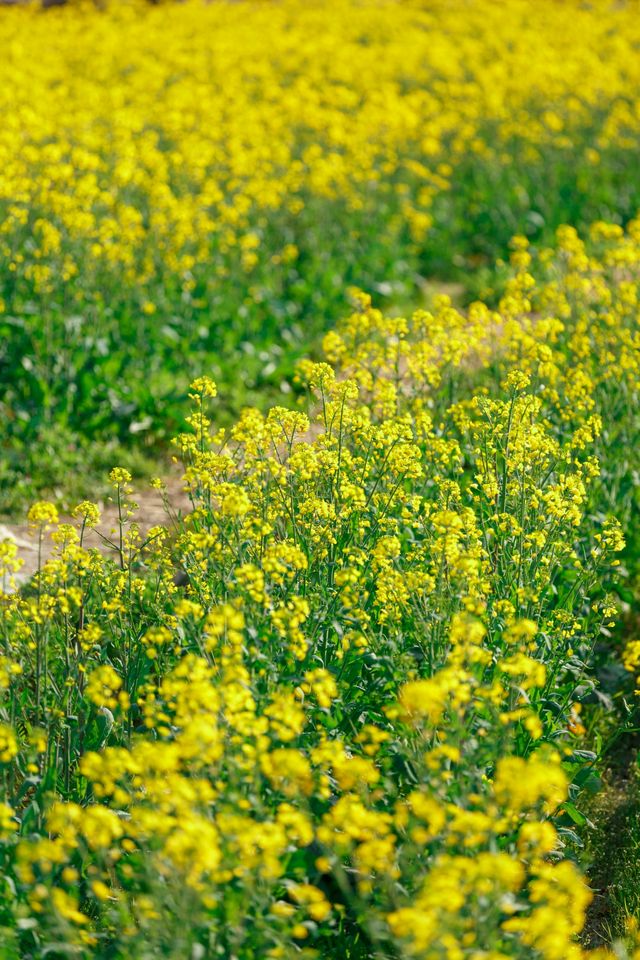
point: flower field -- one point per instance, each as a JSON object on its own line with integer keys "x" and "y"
{"x": 194, "y": 186}
{"x": 368, "y": 692}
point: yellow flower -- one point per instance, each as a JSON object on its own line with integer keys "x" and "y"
{"x": 42, "y": 514}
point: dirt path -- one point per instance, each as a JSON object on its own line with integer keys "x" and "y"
{"x": 614, "y": 852}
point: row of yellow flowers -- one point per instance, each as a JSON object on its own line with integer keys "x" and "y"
{"x": 335, "y": 709}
